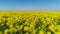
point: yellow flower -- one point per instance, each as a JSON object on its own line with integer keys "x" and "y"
{"x": 57, "y": 32}
{"x": 20, "y": 27}
{"x": 31, "y": 26}
{"x": 52, "y": 28}
{"x": 41, "y": 32}
{"x": 26, "y": 28}
{"x": 27, "y": 33}
{"x": 48, "y": 32}
{"x": 6, "y": 31}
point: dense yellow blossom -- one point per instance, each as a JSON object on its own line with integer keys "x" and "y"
{"x": 29, "y": 23}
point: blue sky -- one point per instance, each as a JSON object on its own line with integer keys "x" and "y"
{"x": 29, "y": 4}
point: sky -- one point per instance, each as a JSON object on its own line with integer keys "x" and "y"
{"x": 29, "y": 4}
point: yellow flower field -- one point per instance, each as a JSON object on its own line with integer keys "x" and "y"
{"x": 29, "y": 22}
